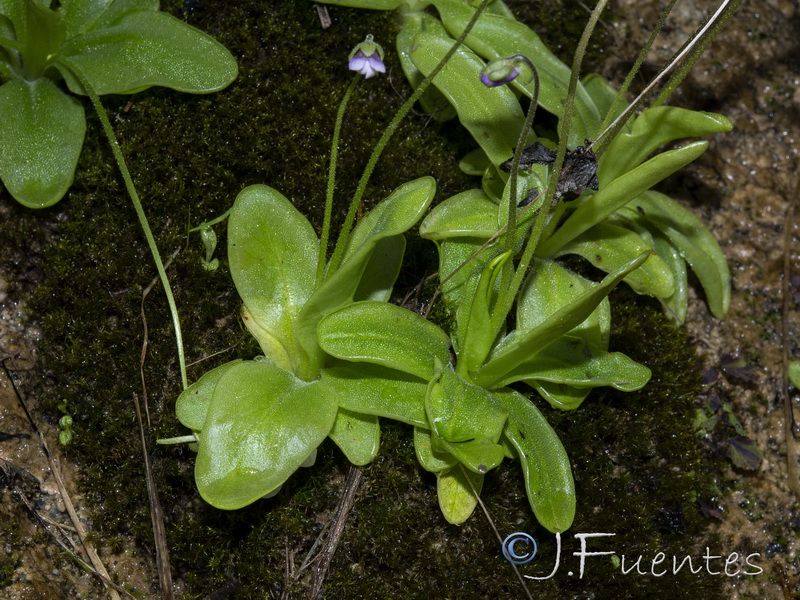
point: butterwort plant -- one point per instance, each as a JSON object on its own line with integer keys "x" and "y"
{"x": 607, "y": 223}
{"x": 90, "y": 47}
{"x": 257, "y": 421}
{"x": 49, "y": 49}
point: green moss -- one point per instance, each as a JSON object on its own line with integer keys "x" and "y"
{"x": 190, "y": 156}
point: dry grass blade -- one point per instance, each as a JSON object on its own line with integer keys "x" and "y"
{"x": 323, "y": 559}
{"x": 497, "y": 535}
{"x": 45, "y": 522}
{"x": 97, "y": 564}
{"x": 156, "y": 514}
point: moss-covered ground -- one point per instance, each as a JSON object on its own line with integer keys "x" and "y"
{"x": 638, "y": 466}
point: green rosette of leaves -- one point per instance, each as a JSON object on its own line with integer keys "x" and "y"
{"x": 466, "y": 420}
{"x": 114, "y": 46}
{"x": 608, "y": 226}
{"x": 257, "y": 421}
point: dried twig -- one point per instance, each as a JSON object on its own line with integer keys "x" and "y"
{"x": 55, "y": 468}
{"x": 323, "y": 559}
{"x": 156, "y": 514}
{"x": 497, "y": 535}
{"x": 45, "y": 522}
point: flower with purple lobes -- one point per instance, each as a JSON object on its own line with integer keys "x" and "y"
{"x": 367, "y": 58}
{"x": 503, "y": 70}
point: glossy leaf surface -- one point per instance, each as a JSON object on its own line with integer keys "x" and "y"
{"x": 608, "y": 247}
{"x": 545, "y": 465}
{"x": 458, "y": 491}
{"x": 357, "y": 435}
{"x": 149, "y": 48}
{"x": 496, "y": 36}
{"x": 384, "y": 334}
{"x": 380, "y": 391}
{"x": 261, "y": 426}
{"x": 695, "y": 244}
{"x": 492, "y": 116}
{"x": 272, "y": 250}
{"x": 40, "y": 145}
{"x": 191, "y": 407}
{"x": 556, "y": 325}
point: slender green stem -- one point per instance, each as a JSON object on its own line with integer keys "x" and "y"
{"x": 326, "y": 224}
{"x": 504, "y": 307}
{"x": 662, "y": 18}
{"x": 212, "y": 222}
{"x": 523, "y": 136}
{"x": 137, "y": 205}
{"x": 512, "y": 201}
{"x": 341, "y": 243}
{"x": 694, "y": 47}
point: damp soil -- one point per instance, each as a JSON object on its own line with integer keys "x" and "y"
{"x": 71, "y": 279}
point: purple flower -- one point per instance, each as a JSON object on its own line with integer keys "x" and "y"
{"x": 504, "y": 70}
{"x": 367, "y": 58}
{"x": 495, "y": 77}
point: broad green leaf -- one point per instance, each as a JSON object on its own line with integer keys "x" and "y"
{"x": 81, "y": 16}
{"x": 381, "y": 270}
{"x": 146, "y": 48}
{"x": 479, "y": 456}
{"x": 469, "y": 214}
{"x": 430, "y": 459}
{"x": 676, "y": 303}
{"x": 556, "y": 325}
{"x": 560, "y": 395}
{"x": 376, "y": 390}
{"x": 655, "y": 127}
{"x": 475, "y": 162}
{"x": 466, "y": 421}
{"x": 261, "y": 426}
{"x": 618, "y": 193}
{"x": 695, "y": 244}
{"x": 570, "y": 360}
{"x": 357, "y": 435}
{"x": 40, "y": 145}
{"x": 384, "y": 334}
{"x": 457, "y": 499}
{"x": 432, "y": 100}
{"x": 460, "y": 411}
{"x": 272, "y": 250}
{"x": 46, "y": 35}
{"x": 545, "y": 464}
{"x": 394, "y": 215}
{"x": 478, "y": 331}
{"x": 608, "y": 247}
{"x": 192, "y": 405}
{"x": 390, "y": 218}
{"x": 15, "y": 12}
{"x": 492, "y": 116}
{"x": 551, "y": 286}
{"x": 495, "y": 37}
